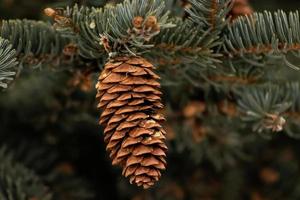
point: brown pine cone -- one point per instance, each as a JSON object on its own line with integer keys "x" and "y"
{"x": 129, "y": 97}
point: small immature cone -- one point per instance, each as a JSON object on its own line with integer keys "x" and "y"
{"x": 150, "y": 22}
{"x": 138, "y": 22}
{"x": 129, "y": 97}
{"x": 50, "y": 12}
{"x": 240, "y": 8}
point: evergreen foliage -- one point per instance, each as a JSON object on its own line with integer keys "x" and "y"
{"x": 231, "y": 86}
{"x": 18, "y": 182}
{"x": 8, "y": 61}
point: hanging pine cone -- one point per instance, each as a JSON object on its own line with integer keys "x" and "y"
{"x": 130, "y": 99}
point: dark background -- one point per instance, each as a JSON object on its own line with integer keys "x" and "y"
{"x": 20, "y": 8}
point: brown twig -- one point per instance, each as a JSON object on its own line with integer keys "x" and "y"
{"x": 172, "y": 47}
{"x": 233, "y": 79}
{"x": 214, "y": 11}
{"x": 264, "y": 49}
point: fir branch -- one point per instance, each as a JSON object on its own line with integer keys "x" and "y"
{"x": 186, "y": 42}
{"x": 116, "y": 24}
{"x": 204, "y": 144}
{"x": 233, "y": 79}
{"x": 196, "y": 39}
{"x": 18, "y": 182}
{"x": 265, "y": 106}
{"x": 210, "y": 14}
{"x": 67, "y": 21}
{"x": 33, "y": 39}
{"x": 228, "y": 76}
{"x": 264, "y": 37}
{"x": 214, "y": 8}
{"x": 60, "y": 177}
{"x": 8, "y": 61}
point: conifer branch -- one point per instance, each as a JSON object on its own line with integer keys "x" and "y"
{"x": 233, "y": 79}
{"x": 33, "y": 40}
{"x": 203, "y": 141}
{"x": 18, "y": 182}
{"x": 268, "y": 106}
{"x": 116, "y": 23}
{"x": 60, "y": 176}
{"x": 214, "y": 11}
{"x": 210, "y": 14}
{"x": 8, "y": 62}
{"x": 187, "y": 42}
{"x": 264, "y": 37}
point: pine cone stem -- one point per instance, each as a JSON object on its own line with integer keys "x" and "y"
{"x": 129, "y": 97}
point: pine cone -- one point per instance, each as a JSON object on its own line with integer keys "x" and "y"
{"x": 130, "y": 99}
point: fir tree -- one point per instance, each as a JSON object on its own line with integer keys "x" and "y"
{"x": 196, "y": 98}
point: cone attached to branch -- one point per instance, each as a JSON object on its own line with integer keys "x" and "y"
{"x": 129, "y": 97}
